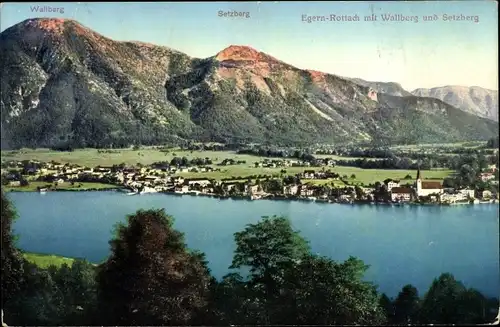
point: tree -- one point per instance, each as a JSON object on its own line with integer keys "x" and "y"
{"x": 406, "y": 305}
{"x": 473, "y": 308}
{"x": 387, "y": 306}
{"x": 268, "y": 245}
{"x": 440, "y": 301}
{"x": 267, "y": 249}
{"x": 40, "y": 302}
{"x": 321, "y": 291}
{"x": 289, "y": 285}
{"x": 78, "y": 288}
{"x": 151, "y": 278}
{"x": 12, "y": 261}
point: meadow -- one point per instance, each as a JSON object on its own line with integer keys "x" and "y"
{"x": 147, "y": 156}
{"x": 46, "y": 260}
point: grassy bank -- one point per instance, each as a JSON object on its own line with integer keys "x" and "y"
{"x": 46, "y": 260}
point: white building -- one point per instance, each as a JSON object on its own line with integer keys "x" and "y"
{"x": 290, "y": 189}
{"x": 392, "y": 184}
{"x": 201, "y": 182}
{"x": 401, "y": 194}
{"x": 427, "y": 188}
{"x": 467, "y": 193}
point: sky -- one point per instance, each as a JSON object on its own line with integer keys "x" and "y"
{"x": 418, "y": 54}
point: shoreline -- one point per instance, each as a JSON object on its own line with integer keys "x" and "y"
{"x": 271, "y": 198}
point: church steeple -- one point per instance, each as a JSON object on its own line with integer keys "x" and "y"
{"x": 418, "y": 182}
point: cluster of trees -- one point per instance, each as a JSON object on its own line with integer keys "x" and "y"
{"x": 264, "y": 151}
{"x": 450, "y": 158}
{"x": 178, "y": 162}
{"x": 181, "y": 162}
{"x": 426, "y": 163}
{"x": 152, "y": 278}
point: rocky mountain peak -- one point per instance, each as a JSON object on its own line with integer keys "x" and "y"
{"x": 238, "y": 52}
{"x": 54, "y": 26}
{"x": 244, "y": 53}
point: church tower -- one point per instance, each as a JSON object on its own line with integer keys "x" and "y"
{"x": 418, "y": 183}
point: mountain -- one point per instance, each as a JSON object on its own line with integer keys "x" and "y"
{"x": 475, "y": 100}
{"x": 66, "y": 85}
{"x": 390, "y": 88}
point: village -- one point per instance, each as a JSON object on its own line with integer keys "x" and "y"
{"x": 164, "y": 177}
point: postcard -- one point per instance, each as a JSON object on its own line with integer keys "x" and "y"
{"x": 249, "y": 163}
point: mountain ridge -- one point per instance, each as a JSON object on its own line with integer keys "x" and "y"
{"x": 64, "y": 84}
{"x": 477, "y": 100}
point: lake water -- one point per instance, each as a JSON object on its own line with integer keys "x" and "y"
{"x": 410, "y": 244}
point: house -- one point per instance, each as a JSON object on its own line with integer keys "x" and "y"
{"x": 177, "y": 180}
{"x": 487, "y": 176}
{"x": 182, "y": 189}
{"x": 252, "y": 189}
{"x": 467, "y": 193}
{"x": 401, "y": 194}
{"x": 228, "y": 186}
{"x": 104, "y": 170}
{"x": 290, "y": 189}
{"x": 392, "y": 184}
{"x": 308, "y": 174}
{"x": 306, "y": 191}
{"x": 15, "y": 183}
{"x": 368, "y": 190}
{"x": 486, "y": 194}
{"x": 200, "y": 181}
{"x": 424, "y": 188}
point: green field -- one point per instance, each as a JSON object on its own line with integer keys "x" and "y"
{"x": 33, "y": 185}
{"x": 46, "y": 260}
{"x": 146, "y": 156}
{"x": 364, "y": 176}
{"x": 92, "y": 158}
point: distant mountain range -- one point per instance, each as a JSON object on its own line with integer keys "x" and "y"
{"x": 475, "y": 100}
{"x": 64, "y": 84}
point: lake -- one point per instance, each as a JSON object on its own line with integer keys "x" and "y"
{"x": 402, "y": 245}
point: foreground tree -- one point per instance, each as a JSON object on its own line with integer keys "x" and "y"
{"x": 387, "y": 306}
{"x": 12, "y": 260}
{"x": 78, "y": 289}
{"x": 448, "y": 301}
{"x": 150, "y": 277}
{"x": 288, "y": 285}
{"x": 267, "y": 249}
{"x": 406, "y": 306}
{"x": 321, "y": 291}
